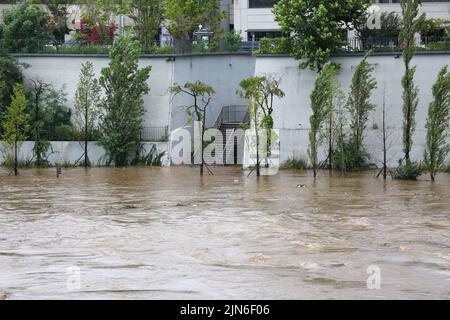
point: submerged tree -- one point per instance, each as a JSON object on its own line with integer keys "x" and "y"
{"x": 252, "y": 90}
{"x": 48, "y": 112}
{"x": 410, "y": 25}
{"x": 359, "y": 106}
{"x": 321, "y": 105}
{"x": 124, "y": 85}
{"x": 41, "y": 144}
{"x": 87, "y": 100}
{"x": 437, "y": 147}
{"x": 15, "y": 124}
{"x": 202, "y": 95}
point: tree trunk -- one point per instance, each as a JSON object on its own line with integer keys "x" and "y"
{"x": 384, "y": 143}
{"x": 86, "y": 158}
{"x": 16, "y": 171}
{"x": 202, "y": 130}
{"x": 258, "y": 172}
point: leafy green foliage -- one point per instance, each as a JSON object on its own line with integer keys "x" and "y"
{"x": 201, "y": 95}
{"x": 275, "y": 46}
{"x": 63, "y": 132}
{"x": 185, "y": 16}
{"x": 318, "y": 28}
{"x": 124, "y": 85}
{"x": 25, "y": 28}
{"x": 389, "y": 31}
{"x": 294, "y": 163}
{"x": 87, "y": 102}
{"x": 321, "y": 105}
{"x": 359, "y": 105}
{"x": 406, "y": 171}
{"x": 437, "y": 147}
{"x": 232, "y": 41}
{"x": 11, "y": 73}
{"x": 410, "y": 25}
{"x": 15, "y": 123}
{"x": 147, "y": 16}
{"x": 152, "y": 158}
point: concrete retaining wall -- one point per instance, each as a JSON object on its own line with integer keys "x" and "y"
{"x": 69, "y": 152}
{"x": 224, "y": 72}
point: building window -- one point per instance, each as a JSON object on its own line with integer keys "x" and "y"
{"x": 261, "y": 3}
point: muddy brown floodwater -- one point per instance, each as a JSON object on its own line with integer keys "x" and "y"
{"x": 164, "y": 233}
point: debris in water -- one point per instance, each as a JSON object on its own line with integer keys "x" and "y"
{"x": 302, "y": 186}
{"x": 259, "y": 258}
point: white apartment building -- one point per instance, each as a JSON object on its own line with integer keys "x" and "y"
{"x": 255, "y": 20}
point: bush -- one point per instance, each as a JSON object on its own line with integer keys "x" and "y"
{"x": 438, "y": 46}
{"x": 63, "y": 132}
{"x": 406, "y": 171}
{"x": 447, "y": 168}
{"x": 152, "y": 158}
{"x": 154, "y": 49}
{"x": 346, "y": 158}
{"x": 295, "y": 164}
{"x": 275, "y": 46}
{"x": 232, "y": 41}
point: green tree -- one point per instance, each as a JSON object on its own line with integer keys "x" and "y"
{"x": 185, "y": 16}
{"x": 321, "y": 105}
{"x": 202, "y": 95}
{"x": 100, "y": 15}
{"x": 260, "y": 92}
{"x": 25, "y": 28}
{"x": 15, "y": 124}
{"x": 48, "y": 111}
{"x": 147, "y": 16}
{"x": 410, "y": 24}
{"x": 11, "y": 73}
{"x": 59, "y": 14}
{"x": 389, "y": 31}
{"x": 359, "y": 105}
{"x": 319, "y": 28}
{"x": 87, "y": 101}
{"x": 124, "y": 85}
{"x": 437, "y": 147}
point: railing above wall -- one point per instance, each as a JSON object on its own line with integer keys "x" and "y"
{"x": 154, "y": 134}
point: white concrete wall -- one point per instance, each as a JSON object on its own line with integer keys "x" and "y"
{"x": 292, "y": 113}
{"x": 65, "y": 152}
{"x": 222, "y": 72}
{"x": 63, "y": 72}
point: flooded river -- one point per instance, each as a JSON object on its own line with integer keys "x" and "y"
{"x": 164, "y": 233}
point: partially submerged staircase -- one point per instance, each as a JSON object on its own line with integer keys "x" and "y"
{"x": 229, "y": 120}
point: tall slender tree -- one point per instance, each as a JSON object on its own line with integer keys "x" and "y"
{"x": 87, "y": 102}
{"x": 124, "y": 86}
{"x": 410, "y": 25}
{"x": 15, "y": 124}
{"x": 359, "y": 105}
{"x": 437, "y": 146}
{"x": 201, "y": 95}
{"x": 252, "y": 89}
{"x": 321, "y": 105}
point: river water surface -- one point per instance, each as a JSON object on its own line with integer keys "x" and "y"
{"x": 164, "y": 233}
